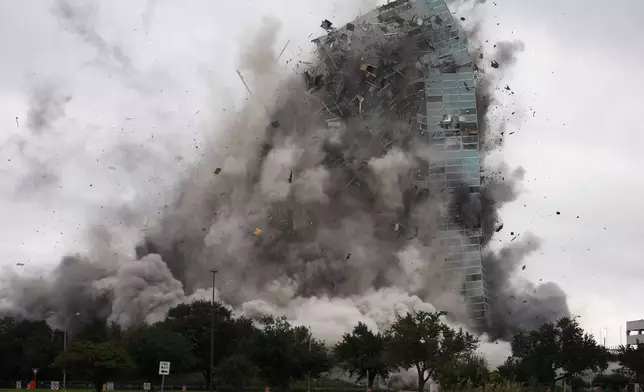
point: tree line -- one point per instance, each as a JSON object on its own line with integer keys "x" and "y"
{"x": 279, "y": 354}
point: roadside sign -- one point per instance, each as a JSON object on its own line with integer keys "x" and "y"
{"x": 18, "y": 384}
{"x": 110, "y": 385}
{"x": 164, "y": 368}
{"x": 55, "y": 385}
{"x": 147, "y": 386}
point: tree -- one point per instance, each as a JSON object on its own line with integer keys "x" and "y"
{"x": 285, "y": 354}
{"x": 25, "y": 345}
{"x": 96, "y": 329}
{"x": 632, "y": 361}
{"x": 98, "y": 362}
{"x": 193, "y": 322}
{"x": 611, "y": 382}
{"x": 361, "y": 353}
{"x": 562, "y": 346}
{"x": 236, "y": 371}
{"x": 147, "y": 345}
{"x": 470, "y": 371}
{"x": 422, "y": 341}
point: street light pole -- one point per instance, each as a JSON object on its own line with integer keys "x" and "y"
{"x": 212, "y": 327}
{"x": 65, "y": 325}
{"x": 309, "y": 384}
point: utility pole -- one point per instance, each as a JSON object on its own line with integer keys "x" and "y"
{"x": 212, "y": 327}
{"x": 309, "y": 386}
{"x": 65, "y": 325}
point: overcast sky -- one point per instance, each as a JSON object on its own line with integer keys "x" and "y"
{"x": 103, "y": 107}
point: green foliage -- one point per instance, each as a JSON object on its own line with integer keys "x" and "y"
{"x": 611, "y": 382}
{"x": 469, "y": 372}
{"x": 538, "y": 354}
{"x": 97, "y": 329}
{"x": 283, "y": 356}
{"x": 362, "y": 353}
{"x": 26, "y": 344}
{"x": 422, "y": 341}
{"x": 236, "y": 371}
{"x": 147, "y": 345}
{"x": 632, "y": 361}
{"x": 285, "y": 353}
{"x": 98, "y": 362}
{"x": 193, "y": 322}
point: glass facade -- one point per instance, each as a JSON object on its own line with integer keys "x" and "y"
{"x": 450, "y": 126}
{"x": 445, "y": 110}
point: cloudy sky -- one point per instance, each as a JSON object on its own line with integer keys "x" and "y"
{"x": 103, "y": 106}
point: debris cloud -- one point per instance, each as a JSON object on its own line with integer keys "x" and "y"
{"x": 308, "y": 198}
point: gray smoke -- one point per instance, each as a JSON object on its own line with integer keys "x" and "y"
{"x": 304, "y": 199}
{"x": 46, "y": 106}
{"x": 518, "y": 304}
{"x": 80, "y": 18}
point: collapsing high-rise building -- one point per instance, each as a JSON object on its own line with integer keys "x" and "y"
{"x": 408, "y": 61}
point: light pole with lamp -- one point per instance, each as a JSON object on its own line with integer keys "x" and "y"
{"x": 65, "y": 325}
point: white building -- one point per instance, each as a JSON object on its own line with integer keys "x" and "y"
{"x": 634, "y": 332}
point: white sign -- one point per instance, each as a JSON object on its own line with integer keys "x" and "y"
{"x": 55, "y": 385}
{"x": 147, "y": 386}
{"x": 18, "y": 384}
{"x": 110, "y": 385}
{"x": 164, "y": 368}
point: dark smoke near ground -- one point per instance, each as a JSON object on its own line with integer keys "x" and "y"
{"x": 306, "y": 206}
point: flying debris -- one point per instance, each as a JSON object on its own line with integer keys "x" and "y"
{"x": 494, "y": 64}
{"x": 326, "y": 25}
{"x": 377, "y": 145}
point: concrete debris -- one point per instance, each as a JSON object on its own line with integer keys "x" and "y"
{"x": 523, "y": 268}
{"x": 326, "y": 25}
{"x": 218, "y": 170}
{"x": 494, "y": 64}
{"x": 499, "y": 228}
